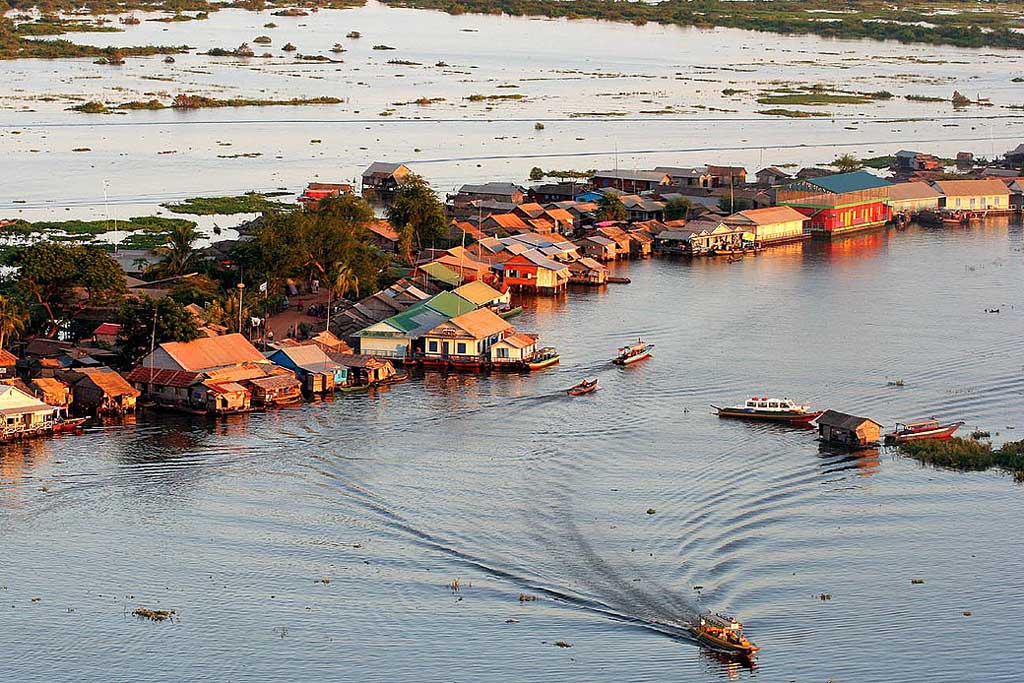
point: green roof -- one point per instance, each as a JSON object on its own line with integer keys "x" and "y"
{"x": 848, "y": 182}
{"x": 441, "y": 273}
{"x": 450, "y": 303}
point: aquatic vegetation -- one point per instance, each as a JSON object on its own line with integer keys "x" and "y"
{"x": 526, "y": 597}
{"x": 91, "y": 107}
{"x": 793, "y": 113}
{"x": 562, "y": 643}
{"x": 382, "y": 47}
{"x": 912, "y": 21}
{"x": 980, "y": 434}
{"x": 925, "y": 98}
{"x": 651, "y": 511}
{"x": 496, "y": 98}
{"x": 968, "y": 454}
{"x": 917, "y": 582}
{"x": 208, "y": 206}
{"x": 184, "y": 101}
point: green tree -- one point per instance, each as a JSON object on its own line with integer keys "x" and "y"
{"x": 198, "y": 289}
{"x": 677, "y": 209}
{"x": 847, "y": 163}
{"x": 177, "y": 256}
{"x": 53, "y": 273}
{"x": 341, "y": 281}
{"x": 12, "y": 319}
{"x": 417, "y": 215}
{"x": 536, "y": 173}
{"x": 145, "y": 321}
{"x": 611, "y": 208}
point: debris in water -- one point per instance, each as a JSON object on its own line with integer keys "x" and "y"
{"x": 37, "y": 599}
{"x": 967, "y": 613}
{"x": 562, "y": 643}
{"x": 154, "y": 614}
{"x": 651, "y": 511}
{"x": 526, "y": 597}
{"x": 511, "y": 621}
{"x": 325, "y": 580}
{"x": 917, "y": 581}
{"x": 455, "y": 584}
{"x": 825, "y": 597}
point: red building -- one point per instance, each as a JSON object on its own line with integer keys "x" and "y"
{"x": 840, "y": 203}
{"x": 532, "y": 271}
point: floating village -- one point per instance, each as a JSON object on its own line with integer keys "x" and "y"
{"x": 453, "y": 307}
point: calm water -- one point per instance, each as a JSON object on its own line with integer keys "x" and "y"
{"x": 504, "y": 483}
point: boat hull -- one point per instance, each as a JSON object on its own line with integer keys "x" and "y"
{"x": 787, "y": 417}
{"x": 629, "y": 360}
{"x": 723, "y": 646}
{"x": 541, "y": 364}
{"x": 938, "y": 434}
{"x": 580, "y": 390}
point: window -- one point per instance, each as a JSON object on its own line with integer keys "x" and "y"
{"x": 762, "y": 404}
{"x": 460, "y": 348}
{"x": 773, "y": 404}
{"x": 432, "y": 346}
{"x": 501, "y": 352}
{"x": 958, "y": 202}
{"x": 998, "y": 201}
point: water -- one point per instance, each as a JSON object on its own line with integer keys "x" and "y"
{"x": 572, "y": 73}
{"x": 507, "y": 485}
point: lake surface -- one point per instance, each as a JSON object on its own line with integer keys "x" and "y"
{"x": 609, "y": 95}
{"x": 509, "y": 486}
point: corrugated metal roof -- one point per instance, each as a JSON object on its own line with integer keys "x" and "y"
{"x": 480, "y": 293}
{"x": 481, "y": 323}
{"x": 849, "y": 182}
{"x": 905, "y": 191}
{"x": 167, "y": 378}
{"x": 212, "y": 352}
{"x": 109, "y": 381}
{"x": 975, "y": 188}
{"x": 833, "y": 418}
{"x": 450, "y": 304}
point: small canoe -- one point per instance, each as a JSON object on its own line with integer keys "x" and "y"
{"x": 351, "y": 388}
{"x": 585, "y": 387}
{"x": 396, "y": 378}
{"x": 510, "y": 313}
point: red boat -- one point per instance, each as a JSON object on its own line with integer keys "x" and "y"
{"x": 68, "y": 425}
{"x": 921, "y": 431}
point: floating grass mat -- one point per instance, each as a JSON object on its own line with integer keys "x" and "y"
{"x": 794, "y": 113}
{"x": 251, "y": 202}
{"x": 153, "y": 224}
{"x": 968, "y": 455}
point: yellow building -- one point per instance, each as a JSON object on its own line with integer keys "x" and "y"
{"x": 771, "y": 224}
{"x": 913, "y": 197}
{"x": 517, "y": 347}
{"x": 975, "y": 195}
{"x": 465, "y": 339}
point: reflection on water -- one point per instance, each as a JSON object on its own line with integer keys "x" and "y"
{"x": 609, "y": 509}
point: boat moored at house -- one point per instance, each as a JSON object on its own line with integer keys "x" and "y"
{"x": 923, "y": 430}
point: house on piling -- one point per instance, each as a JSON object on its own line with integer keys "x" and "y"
{"x": 913, "y": 198}
{"x": 848, "y": 430}
{"x": 990, "y": 196}
{"x": 532, "y": 271}
{"x": 772, "y": 225}
{"x": 464, "y": 341}
{"x": 101, "y": 391}
{"x": 317, "y": 371}
{"x": 381, "y": 179}
{"x": 840, "y": 203}
{"x": 22, "y": 414}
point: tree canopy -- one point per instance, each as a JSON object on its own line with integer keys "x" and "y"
{"x": 611, "y": 208}
{"x": 417, "y": 215}
{"x": 138, "y": 318}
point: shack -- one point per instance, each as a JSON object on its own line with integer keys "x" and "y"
{"x": 101, "y": 391}
{"x": 22, "y": 414}
{"x": 848, "y": 430}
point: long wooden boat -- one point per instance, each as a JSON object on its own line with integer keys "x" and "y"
{"x": 351, "y": 388}
{"x": 68, "y": 424}
{"x": 633, "y": 353}
{"x": 585, "y": 387}
{"x": 396, "y": 378}
{"x": 544, "y": 358}
{"x": 923, "y": 430}
{"x": 510, "y": 313}
{"x": 722, "y": 634}
{"x": 770, "y": 410}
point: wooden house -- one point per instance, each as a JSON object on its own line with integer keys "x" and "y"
{"x": 680, "y": 176}
{"x": 598, "y": 247}
{"x": 773, "y": 225}
{"x": 630, "y": 182}
{"x": 175, "y": 389}
{"x": 679, "y": 242}
{"x": 381, "y": 179}
{"x": 839, "y": 203}
{"x": 317, "y": 371}
{"x": 643, "y": 208}
{"x": 990, "y": 196}
{"x": 203, "y": 354}
{"x": 482, "y": 295}
{"x": 396, "y": 337}
{"x": 223, "y": 398}
{"x": 362, "y": 370}
{"x": 317, "y": 192}
{"x": 535, "y": 272}
{"x": 908, "y": 162}
{"x": 101, "y": 391}
{"x": 557, "y": 192}
{"x": 848, "y": 430}
{"x": 52, "y": 391}
{"x": 106, "y": 333}
{"x": 22, "y": 414}
{"x": 912, "y": 198}
{"x": 588, "y": 271}
{"x": 273, "y": 390}
{"x": 515, "y": 348}
{"x": 465, "y": 340}
{"x": 381, "y": 234}
{"x": 1014, "y": 157}
{"x": 772, "y": 176}
{"x": 470, "y": 194}
{"x": 724, "y": 176}
{"x": 8, "y": 364}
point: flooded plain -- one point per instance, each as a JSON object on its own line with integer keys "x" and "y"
{"x": 323, "y": 542}
{"x": 606, "y": 94}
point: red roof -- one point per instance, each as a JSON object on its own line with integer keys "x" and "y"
{"x": 167, "y": 378}
{"x": 7, "y": 358}
{"x": 107, "y": 329}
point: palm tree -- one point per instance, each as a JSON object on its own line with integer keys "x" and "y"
{"x": 12, "y": 319}
{"x": 342, "y": 282}
{"x": 231, "y": 314}
{"x": 178, "y": 252}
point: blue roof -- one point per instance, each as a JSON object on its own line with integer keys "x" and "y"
{"x": 849, "y": 182}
